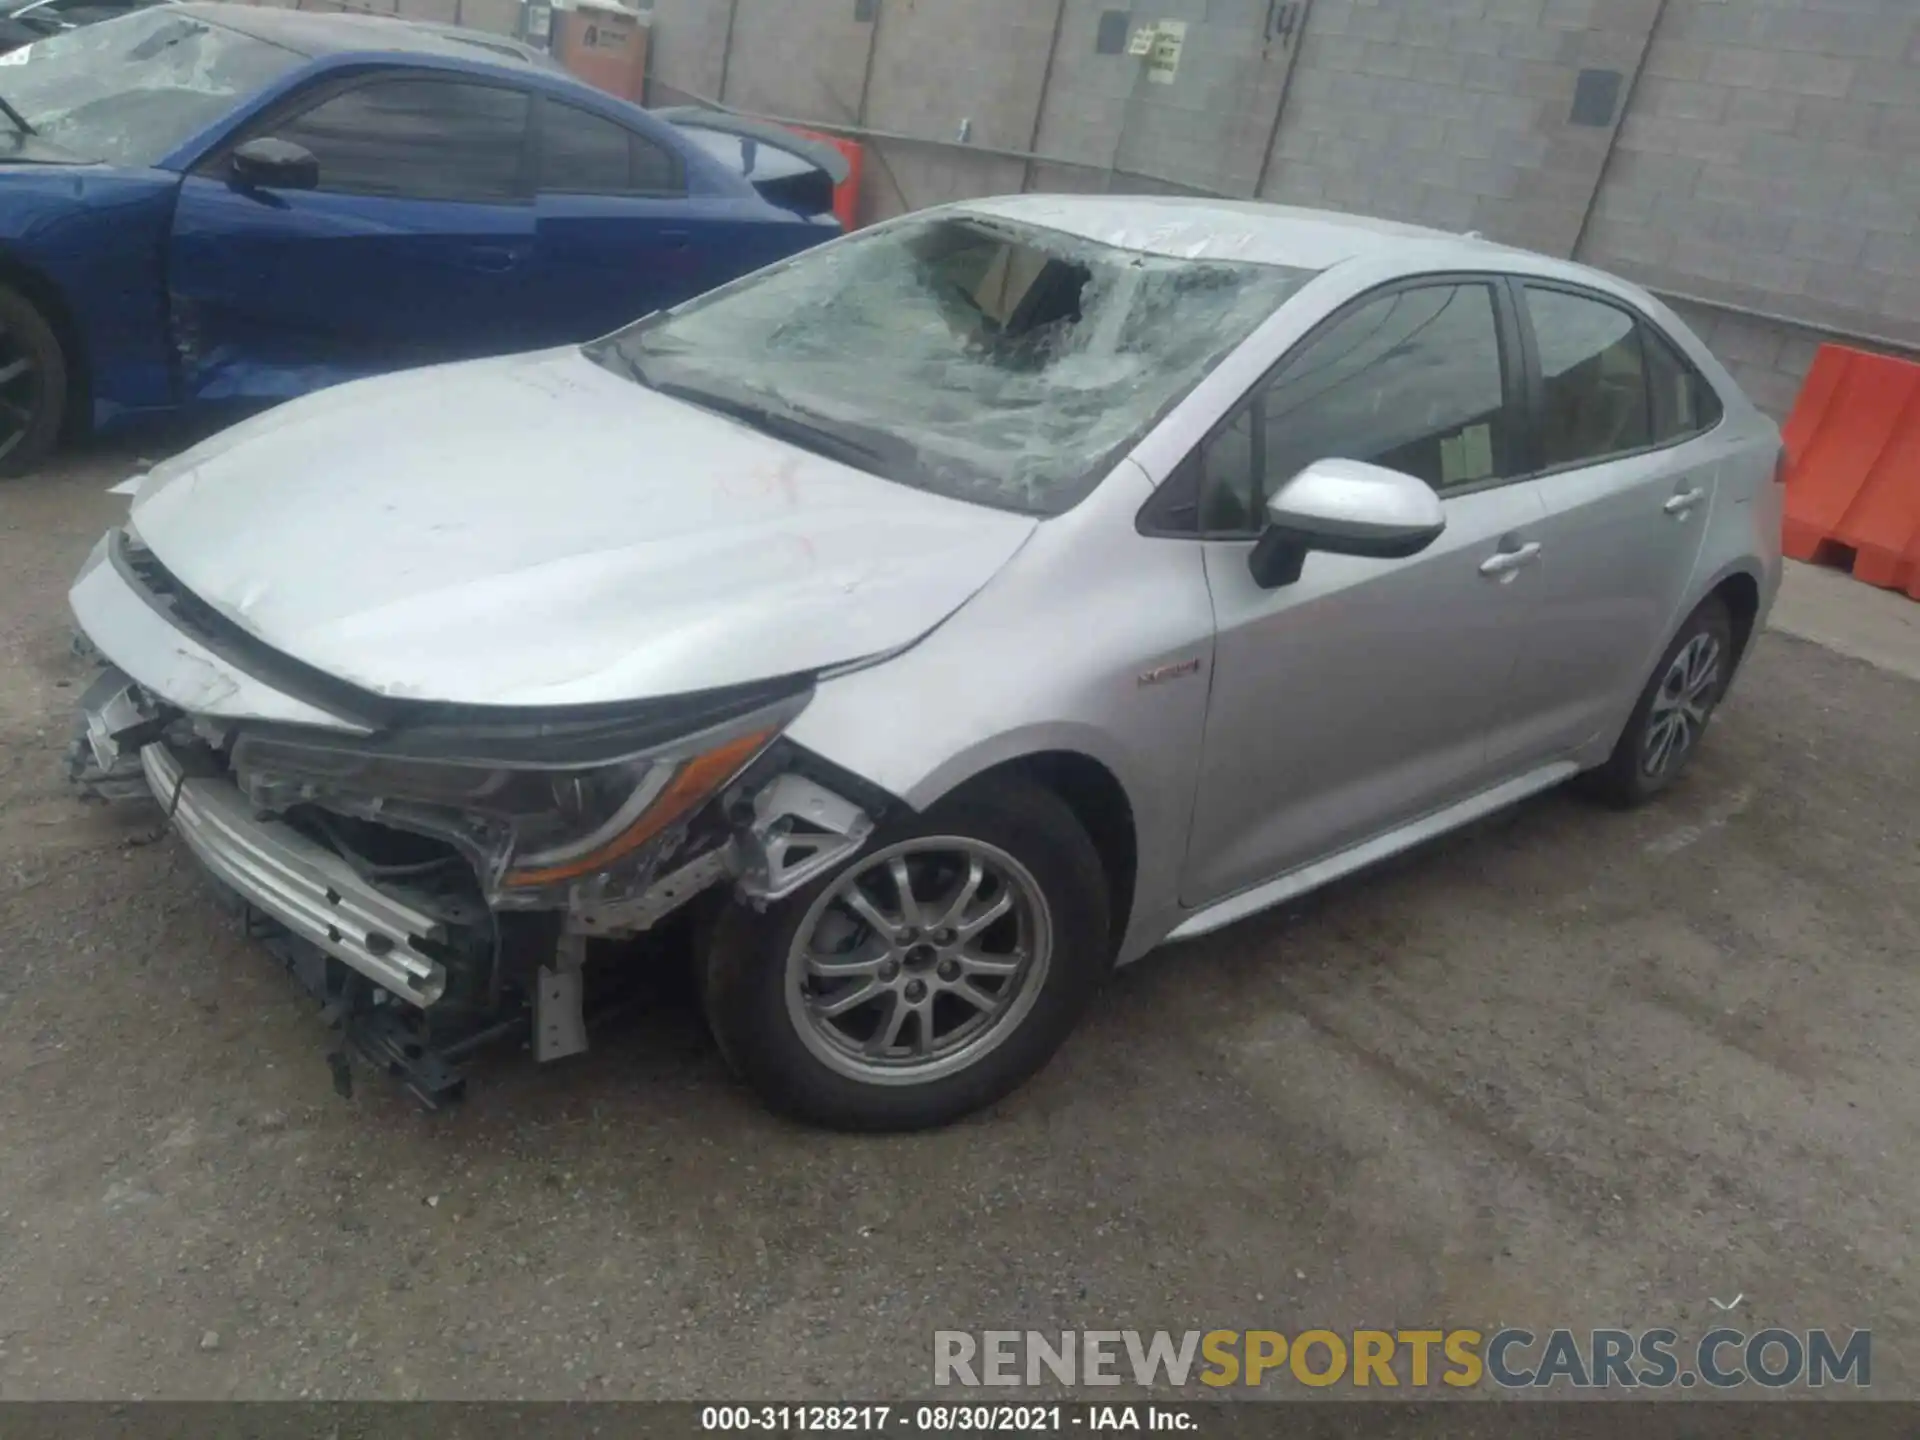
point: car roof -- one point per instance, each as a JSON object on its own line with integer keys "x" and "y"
{"x": 315, "y": 33}
{"x": 1201, "y": 228}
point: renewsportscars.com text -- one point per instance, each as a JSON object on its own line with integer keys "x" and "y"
{"x": 1512, "y": 1359}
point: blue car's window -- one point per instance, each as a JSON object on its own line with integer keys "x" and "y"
{"x": 129, "y": 91}
{"x": 417, "y": 139}
{"x": 586, "y": 154}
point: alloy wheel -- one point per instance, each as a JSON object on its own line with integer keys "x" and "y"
{"x": 20, "y": 391}
{"x": 1681, "y": 706}
{"x": 920, "y": 960}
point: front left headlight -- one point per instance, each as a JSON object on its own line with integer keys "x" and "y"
{"x": 537, "y": 825}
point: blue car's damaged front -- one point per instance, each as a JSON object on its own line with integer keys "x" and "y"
{"x": 447, "y": 202}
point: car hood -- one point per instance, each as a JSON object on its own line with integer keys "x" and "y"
{"x": 536, "y": 530}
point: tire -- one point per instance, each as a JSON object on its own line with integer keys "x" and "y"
{"x": 1699, "y": 663}
{"x": 950, "y": 1055}
{"x": 33, "y": 399}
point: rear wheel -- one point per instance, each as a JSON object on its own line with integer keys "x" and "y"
{"x": 1672, "y": 712}
{"x": 929, "y": 977}
{"x": 33, "y": 384}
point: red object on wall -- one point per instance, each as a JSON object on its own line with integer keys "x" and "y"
{"x": 846, "y": 195}
{"x": 1853, "y": 467}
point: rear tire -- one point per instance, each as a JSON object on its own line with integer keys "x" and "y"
{"x": 1672, "y": 713}
{"x": 33, "y": 384}
{"x": 960, "y": 1006}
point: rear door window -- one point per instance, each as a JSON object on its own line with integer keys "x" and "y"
{"x": 1684, "y": 403}
{"x": 1593, "y": 375}
{"x": 582, "y": 153}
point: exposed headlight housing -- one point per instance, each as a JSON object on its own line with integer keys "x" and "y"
{"x": 533, "y": 827}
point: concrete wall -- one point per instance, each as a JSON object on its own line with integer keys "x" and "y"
{"x": 937, "y": 64}
{"x": 795, "y": 57}
{"x": 1208, "y": 130}
{"x": 1772, "y": 159}
{"x": 1457, "y": 113}
{"x": 688, "y": 51}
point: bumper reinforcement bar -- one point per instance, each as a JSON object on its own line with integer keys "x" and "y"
{"x": 315, "y": 894}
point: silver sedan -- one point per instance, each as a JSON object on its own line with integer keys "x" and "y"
{"x": 920, "y": 628}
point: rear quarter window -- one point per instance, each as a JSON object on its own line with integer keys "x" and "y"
{"x": 1684, "y": 401}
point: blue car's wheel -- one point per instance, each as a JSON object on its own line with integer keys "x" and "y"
{"x": 33, "y": 384}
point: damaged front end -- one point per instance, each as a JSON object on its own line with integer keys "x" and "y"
{"x": 441, "y": 881}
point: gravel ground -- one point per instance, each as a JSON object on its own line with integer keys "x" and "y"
{"x": 1571, "y": 1068}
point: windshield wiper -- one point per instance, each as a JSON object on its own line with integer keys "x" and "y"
{"x": 602, "y": 352}
{"x": 19, "y": 120}
{"x": 796, "y": 429}
{"x": 782, "y": 424}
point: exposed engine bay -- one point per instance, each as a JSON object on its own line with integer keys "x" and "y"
{"x": 435, "y": 905}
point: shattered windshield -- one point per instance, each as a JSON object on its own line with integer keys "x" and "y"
{"x": 128, "y": 91}
{"x": 994, "y": 362}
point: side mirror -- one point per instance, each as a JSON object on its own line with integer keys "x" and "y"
{"x": 1344, "y": 507}
{"x": 269, "y": 164}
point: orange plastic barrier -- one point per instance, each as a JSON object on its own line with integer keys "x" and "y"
{"x": 846, "y": 195}
{"x": 1853, "y": 467}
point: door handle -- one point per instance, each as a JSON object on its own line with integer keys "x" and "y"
{"x": 678, "y": 239}
{"x": 1685, "y": 501}
{"x": 1503, "y": 564}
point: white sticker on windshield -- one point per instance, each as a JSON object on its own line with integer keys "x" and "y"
{"x": 16, "y": 57}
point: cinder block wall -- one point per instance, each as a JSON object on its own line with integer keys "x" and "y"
{"x": 1459, "y": 113}
{"x": 1771, "y": 159}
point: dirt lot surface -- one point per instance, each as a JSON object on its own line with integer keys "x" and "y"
{"x": 1572, "y": 1068}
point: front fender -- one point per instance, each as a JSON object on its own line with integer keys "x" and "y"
{"x": 1094, "y": 640}
{"x": 92, "y": 241}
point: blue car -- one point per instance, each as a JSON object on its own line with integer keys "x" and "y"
{"x": 212, "y": 204}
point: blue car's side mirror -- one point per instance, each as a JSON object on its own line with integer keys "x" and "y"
{"x": 269, "y": 164}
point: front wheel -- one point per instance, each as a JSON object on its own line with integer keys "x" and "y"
{"x": 929, "y": 977}
{"x": 33, "y": 384}
{"x": 1672, "y": 712}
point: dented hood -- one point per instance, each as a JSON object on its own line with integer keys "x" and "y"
{"x": 538, "y": 531}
